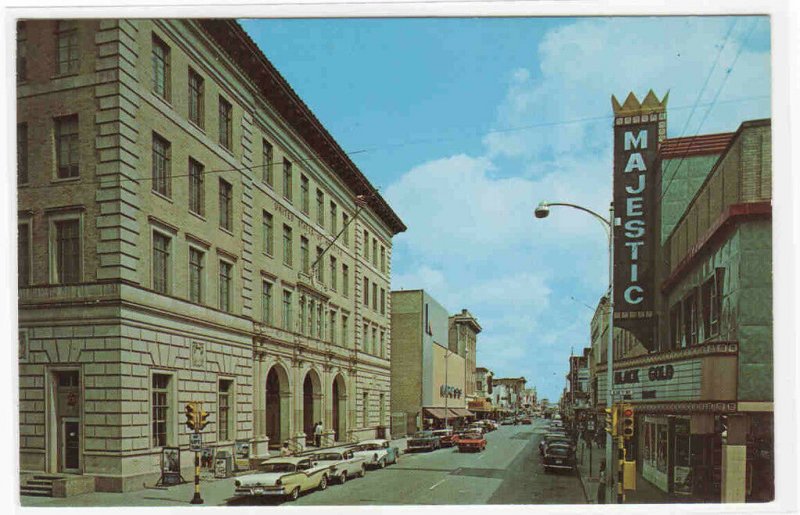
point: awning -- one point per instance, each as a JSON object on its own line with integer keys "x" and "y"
{"x": 436, "y": 412}
{"x": 460, "y": 412}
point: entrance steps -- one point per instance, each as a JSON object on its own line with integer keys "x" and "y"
{"x": 39, "y": 485}
{"x": 54, "y": 485}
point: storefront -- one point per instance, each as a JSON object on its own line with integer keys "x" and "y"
{"x": 480, "y": 409}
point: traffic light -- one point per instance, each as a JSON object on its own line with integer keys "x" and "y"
{"x": 191, "y": 416}
{"x": 627, "y": 421}
{"x": 203, "y": 420}
{"x": 611, "y": 420}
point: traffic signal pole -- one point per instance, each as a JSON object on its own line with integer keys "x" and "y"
{"x": 196, "y": 499}
{"x": 196, "y": 420}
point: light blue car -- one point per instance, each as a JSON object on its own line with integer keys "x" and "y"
{"x": 377, "y": 453}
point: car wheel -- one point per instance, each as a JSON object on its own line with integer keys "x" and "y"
{"x": 295, "y": 493}
{"x": 363, "y": 471}
{"x": 382, "y": 463}
{"x": 343, "y": 478}
{"x": 323, "y": 483}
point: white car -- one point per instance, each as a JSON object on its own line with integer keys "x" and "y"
{"x": 284, "y": 477}
{"x": 343, "y": 464}
{"x": 377, "y": 453}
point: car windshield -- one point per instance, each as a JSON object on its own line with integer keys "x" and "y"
{"x": 477, "y": 436}
{"x": 276, "y": 467}
{"x": 370, "y": 447}
{"x": 329, "y": 456}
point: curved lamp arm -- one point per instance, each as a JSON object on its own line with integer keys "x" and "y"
{"x": 606, "y": 223}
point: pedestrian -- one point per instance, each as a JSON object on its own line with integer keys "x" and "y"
{"x": 285, "y": 451}
{"x": 318, "y": 434}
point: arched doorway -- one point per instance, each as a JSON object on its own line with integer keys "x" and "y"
{"x": 312, "y": 396}
{"x": 339, "y": 408}
{"x": 276, "y": 409}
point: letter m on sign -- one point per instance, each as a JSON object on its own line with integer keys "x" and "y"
{"x": 638, "y": 141}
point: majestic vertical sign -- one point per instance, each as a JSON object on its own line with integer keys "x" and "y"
{"x": 638, "y": 128}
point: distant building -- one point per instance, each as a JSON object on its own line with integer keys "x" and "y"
{"x": 463, "y": 339}
{"x": 507, "y": 393}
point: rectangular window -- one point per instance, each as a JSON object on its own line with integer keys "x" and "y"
{"x": 332, "y": 326}
{"x": 711, "y": 292}
{"x": 225, "y": 277}
{"x": 346, "y": 234}
{"x": 690, "y": 319}
{"x": 366, "y": 292}
{"x": 333, "y": 273}
{"x": 304, "y": 256}
{"x": 68, "y": 247}
{"x": 196, "y": 288}
{"x": 287, "y": 180}
{"x": 364, "y": 341}
{"x": 334, "y": 221}
{"x": 320, "y": 207}
{"x": 374, "y": 252}
{"x": 304, "y": 202}
{"x": 23, "y": 255}
{"x": 366, "y": 246}
{"x": 345, "y": 280}
{"x": 161, "y": 408}
{"x": 303, "y": 315}
{"x": 161, "y": 260}
{"x": 22, "y": 153}
{"x": 266, "y": 161}
{"x": 268, "y": 243}
{"x": 197, "y": 188}
{"x": 67, "y": 146}
{"x": 67, "y": 56}
{"x": 161, "y": 167}
{"x": 320, "y": 321}
{"x": 320, "y": 268}
{"x": 287, "y": 245}
{"x": 287, "y": 310}
{"x": 161, "y": 77}
{"x": 374, "y": 341}
{"x": 22, "y": 52}
{"x": 676, "y": 331}
{"x": 196, "y": 98}
{"x": 383, "y": 345}
{"x": 225, "y": 205}
{"x": 225, "y": 123}
{"x": 224, "y": 419}
{"x": 266, "y": 302}
{"x": 374, "y": 296}
{"x": 312, "y": 318}
{"x": 383, "y": 260}
{"x": 345, "y": 332}
{"x": 383, "y": 301}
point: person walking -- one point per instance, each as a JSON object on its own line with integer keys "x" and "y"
{"x": 318, "y": 434}
{"x": 285, "y": 451}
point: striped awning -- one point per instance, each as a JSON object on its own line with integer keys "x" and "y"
{"x": 439, "y": 413}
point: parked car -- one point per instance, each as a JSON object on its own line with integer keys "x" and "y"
{"x": 377, "y": 453}
{"x": 471, "y": 441}
{"x": 445, "y": 437}
{"x": 343, "y": 463}
{"x": 423, "y": 440}
{"x": 490, "y": 425}
{"x": 559, "y": 456}
{"x": 551, "y": 438}
{"x": 284, "y": 477}
{"x": 507, "y": 422}
{"x": 477, "y": 426}
{"x": 526, "y": 420}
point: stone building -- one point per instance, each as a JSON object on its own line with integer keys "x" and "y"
{"x": 463, "y": 339}
{"x": 174, "y": 193}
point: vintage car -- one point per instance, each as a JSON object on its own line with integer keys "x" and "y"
{"x": 376, "y": 453}
{"x": 508, "y": 422}
{"x": 284, "y": 477}
{"x": 490, "y": 425}
{"x": 551, "y": 438}
{"x": 558, "y": 456}
{"x": 343, "y": 463}
{"x": 526, "y": 420}
{"x": 423, "y": 440}
{"x": 477, "y": 426}
{"x": 445, "y": 437}
{"x": 471, "y": 441}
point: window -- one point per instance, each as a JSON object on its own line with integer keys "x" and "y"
{"x": 345, "y": 332}
{"x": 22, "y": 52}
{"x": 364, "y": 341}
{"x": 225, "y": 123}
{"x": 345, "y": 280}
{"x": 224, "y": 419}
{"x": 320, "y": 321}
{"x": 23, "y": 255}
{"x": 320, "y": 207}
{"x": 225, "y": 205}
{"x": 712, "y": 303}
{"x": 266, "y": 161}
{"x": 225, "y": 277}
{"x": 197, "y": 188}
{"x": 303, "y": 314}
{"x": 364, "y": 408}
{"x": 383, "y": 260}
{"x": 266, "y": 302}
{"x": 67, "y": 57}
{"x": 690, "y": 319}
{"x": 161, "y": 409}
{"x": 268, "y": 243}
{"x": 161, "y": 77}
{"x": 196, "y": 90}
{"x": 287, "y": 245}
{"x": 196, "y": 287}
{"x": 312, "y": 318}
{"x": 22, "y": 153}
{"x": 374, "y": 296}
{"x": 374, "y": 252}
{"x": 366, "y": 292}
{"x": 366, "y": 246}
{"x": 332, "y": 326}
{"x": 346, "y": 234}
{"x": 287, "y": 310}
{"x": 161, "y": 168}
{"x": 320, "y": 269}
{"x": 304, "y": 259}
{"x": 287, "y": 180}
{"x": 67, "y": 251}
{"x": 383, "y": 345}
{"x": 383, "y": 301}
{"x": 374, "y": 341}
{"x": 304, "y": 202}
{"x": 161, "y": 260}
{"x": 334, "y": 226}
{"x": 333, "y": 273}
{"x": 67, "y": 146}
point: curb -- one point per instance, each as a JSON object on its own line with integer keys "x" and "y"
{"x": 583, "y": 486}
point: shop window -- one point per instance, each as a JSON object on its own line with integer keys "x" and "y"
{"x": 690, "y": 319}
{"x": 675, "y": 328}
{"x": 224, "y": 418}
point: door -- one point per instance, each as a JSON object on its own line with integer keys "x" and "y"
{"x": 71, "y": 445}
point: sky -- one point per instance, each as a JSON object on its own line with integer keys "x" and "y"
{"x": 466, "y": 124}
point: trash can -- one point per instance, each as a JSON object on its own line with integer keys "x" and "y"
{"x": 223, "y": 464}
{"x": 381, "y": 431}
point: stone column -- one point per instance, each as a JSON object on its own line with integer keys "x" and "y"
{"x": 328, "y": 439}
{"x": 734, "y": 460}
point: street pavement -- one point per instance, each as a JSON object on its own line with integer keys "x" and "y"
{"x": 509, "y": 471}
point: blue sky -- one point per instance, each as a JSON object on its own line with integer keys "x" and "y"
{"x": 466, "y": 124}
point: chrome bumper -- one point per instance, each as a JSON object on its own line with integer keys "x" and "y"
{"x": 258, "y": 490}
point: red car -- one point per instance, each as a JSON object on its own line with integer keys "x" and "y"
{"x": 471, "y": 441}
{"x": 446, "y": 437}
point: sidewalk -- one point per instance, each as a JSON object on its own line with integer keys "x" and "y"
{"x": 645, "y": 493}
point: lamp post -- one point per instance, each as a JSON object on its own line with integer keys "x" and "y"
{"x": 446, "y": 390}
{"x": 542, "y": 211}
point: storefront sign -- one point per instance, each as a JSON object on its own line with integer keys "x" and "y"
{"x": 679, "y": 381}
{"x": 450, "y": 391}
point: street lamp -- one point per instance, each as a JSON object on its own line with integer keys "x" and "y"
{"x": 542, "y": 211}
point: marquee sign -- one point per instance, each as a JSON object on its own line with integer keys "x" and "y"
{"x": 638, "y": 128}
{"x": 677, "y": 381}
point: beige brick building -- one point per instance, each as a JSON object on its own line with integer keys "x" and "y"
{"x": 174, "y": 193}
